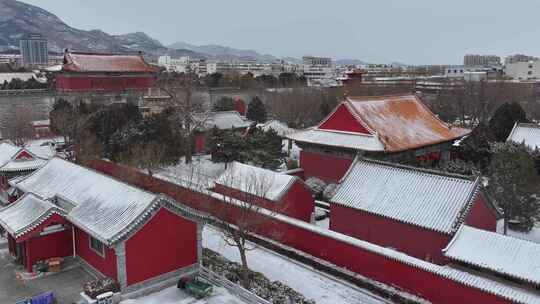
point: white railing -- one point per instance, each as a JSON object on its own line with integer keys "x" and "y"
{"x": 235, "y": 289}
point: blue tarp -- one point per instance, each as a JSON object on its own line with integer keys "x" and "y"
{"x": 46, "y": 298}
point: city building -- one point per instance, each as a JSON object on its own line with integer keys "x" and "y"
{"x": 118, "y": 231}
{"x": 219, "y": 67}
{"x": 268, "y": 189}
{"x": 14, "y": 60}
{"x": 184, "y": 64}
{"x": 395, "y": 206}
{"x": 519, "y": 58}
{"x": 523, "y": 70}
{"x": 481, "y": 60}
{"x": 319, "y": 71}
{"x": 394, "y": 127}
{"x": 473, "y": 73}
{"x": 34, "y": 50}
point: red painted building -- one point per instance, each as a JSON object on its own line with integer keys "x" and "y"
{"x": 17, "y": 161}
{"x": 104, "y": 72}
{"x": 443, "y": 284}
{"x": 384, "y": 127}
{"x": 411, "y": 210}
{"x": 281, "y": 193}
{"x": 42, "y": 128}
{"x": 117, "y": 230}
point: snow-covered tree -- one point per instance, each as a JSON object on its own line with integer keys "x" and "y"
{"x": 256, "y": 110}
{"x": 514, "y": 184}
{"x": 504, "y": 118}
{"x": 190, "y": 112}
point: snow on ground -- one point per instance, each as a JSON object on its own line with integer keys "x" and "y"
{"x": 533, "y": 235}
{"x": 325, "y": 223}
{"x": 202, "y": 171}
{"x": 309, "y": 282}
{"x": 173, "y": 295}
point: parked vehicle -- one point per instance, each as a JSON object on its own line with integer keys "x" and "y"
{"x": 195, "y": 286}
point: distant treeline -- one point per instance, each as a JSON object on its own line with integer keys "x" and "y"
{"x": 18, "y": 84}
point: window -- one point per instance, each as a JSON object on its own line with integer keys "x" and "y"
{"x": 97, "y": 246}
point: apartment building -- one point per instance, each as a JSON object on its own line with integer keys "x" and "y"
{"x": 481, "y": 60}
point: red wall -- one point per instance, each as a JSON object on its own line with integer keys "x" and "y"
{"x": 327, "y": 167}
{"x": 240, "y": 106}
{"x": 57, "y": 244}
{"x": 23, "y": 154}
{"x": 84, "y": 82}
{"x": 298, "y": 202}
{"x": 420, "y": 243}
{"x": 200, "y": 142}
{"x": 481, "y": 216}
{"x": 106, "y": 265}
{"x": 343, "y": 120}
{"x": 166, "y": 243}
{"x": 423, "y": 283}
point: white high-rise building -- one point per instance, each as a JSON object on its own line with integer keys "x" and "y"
{"x": 319, "y": 71}
{"x": 523, "y": 70}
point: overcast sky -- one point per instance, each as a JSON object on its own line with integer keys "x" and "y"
{"x": 409, "y": 31}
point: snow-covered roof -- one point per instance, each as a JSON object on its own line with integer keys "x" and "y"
{"x": 355, "y": 141}
{"x": 7, "y": 152}
{"x": 26, "y": 213}
{"x": 102, "y": 206}
{"x": 222, "y": 120}
{"x": 45, "y": 152}
{"x": 527, "y": 133}
{"x": 510, "y": 256}
{"x": 281, "y": 128}
{"x": 394, "y": 124}
{"x": 11, "y": 162}
{"x": 256, "y": 181}
{"x": 87, "y": 62}
{"x": 403, "y": 122}
{"x": 24, "y": 165}
{"x": 423, "y": 198}
{"x": 515, "y": 293}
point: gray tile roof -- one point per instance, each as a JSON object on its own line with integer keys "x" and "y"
{"x": 506, "y": 255}
{"x": 427, "y": 199}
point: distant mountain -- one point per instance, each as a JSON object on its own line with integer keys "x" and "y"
{"x": 141, "y": 42}
{"x": 18, "y": 19}
{"x": 223, "y": 52}
{"x": 184, "y": 52}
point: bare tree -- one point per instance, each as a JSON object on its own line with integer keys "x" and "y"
{"x": 17, "y": 125}
{"x": 148, "y": 157}
{"x": 188, "y": 106}
{"x": 242, "y": 214}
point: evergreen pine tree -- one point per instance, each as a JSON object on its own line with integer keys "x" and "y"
{"x": 504, "y": 118}
{"x": 514, "y": 184}
{"x": 256, "y": 110}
